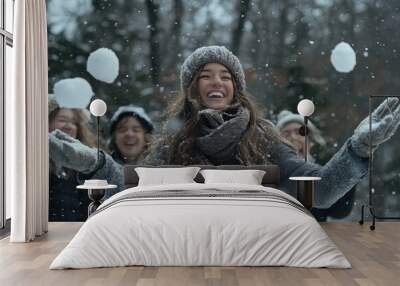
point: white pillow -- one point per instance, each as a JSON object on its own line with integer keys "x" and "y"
{"x": 163, "y": 176}
{"x": 248, "y": 177}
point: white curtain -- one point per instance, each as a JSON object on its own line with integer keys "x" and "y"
{"x": 27, "y": 124}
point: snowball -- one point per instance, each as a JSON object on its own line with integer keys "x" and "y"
{"x": 103, "y": 65}
{"x": 73, "y": 92}
{"x": 343, "y": 57}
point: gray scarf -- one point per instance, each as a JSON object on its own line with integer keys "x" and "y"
{"x": 220, "y": 133}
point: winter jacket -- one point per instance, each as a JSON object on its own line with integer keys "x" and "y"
{"x": 66, "y": 203}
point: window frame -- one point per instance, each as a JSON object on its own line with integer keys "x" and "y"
{"x": 6, "y": 39}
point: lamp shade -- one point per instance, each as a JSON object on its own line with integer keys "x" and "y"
{"x": 305, "y": 107}
{"x": 98, "y": 107}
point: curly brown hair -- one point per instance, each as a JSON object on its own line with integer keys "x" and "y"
{"x": 255, "y": 142}
{"x": 84, "y": 134}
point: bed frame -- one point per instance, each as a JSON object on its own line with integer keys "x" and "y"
{"x": 271, "y": 177}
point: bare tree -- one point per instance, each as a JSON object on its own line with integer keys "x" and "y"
{"x": 173, "y": 39}
{"x": 208, "y": 33}
{"x": 237, "y": 33}
{"x": 154, "y": 54}
{"x": 283, "y": 27}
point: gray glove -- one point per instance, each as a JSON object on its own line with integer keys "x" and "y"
{"x": 385, "y": 121}
{"x": 71, "y": 153}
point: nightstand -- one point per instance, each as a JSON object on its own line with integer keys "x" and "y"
{"x": 305, "y": 189}
{"x": 96, "y": 194}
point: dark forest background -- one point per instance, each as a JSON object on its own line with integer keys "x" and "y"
{"x": 284, "y": 46}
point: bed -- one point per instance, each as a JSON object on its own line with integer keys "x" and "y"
{"x": 201, "y": 224}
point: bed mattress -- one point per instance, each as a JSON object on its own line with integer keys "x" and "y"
{"x": 201, "y": 225}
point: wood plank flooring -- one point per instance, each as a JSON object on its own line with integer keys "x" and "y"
{"x": 374, "y": 255}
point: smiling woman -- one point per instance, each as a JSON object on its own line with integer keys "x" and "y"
{"x": 215, "y": 86}
{"x": 66, "y": 203}
{"x": 214, "y": 105}
{"x": 65, "y": 120}
{"x": 130, "y": 132}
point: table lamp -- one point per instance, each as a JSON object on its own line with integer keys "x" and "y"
{"x": 305, "y": 108}
{"x": 98, "y": 108}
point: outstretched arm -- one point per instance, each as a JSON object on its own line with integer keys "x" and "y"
{"x": 339, "y": 175}
{"x": 72, "y": 154}
{"x": 350, "y": 164}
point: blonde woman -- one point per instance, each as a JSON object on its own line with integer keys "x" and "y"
{"x": 66, "y": 203}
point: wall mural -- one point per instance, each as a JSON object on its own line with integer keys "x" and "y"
{"x": 169, "y": 102}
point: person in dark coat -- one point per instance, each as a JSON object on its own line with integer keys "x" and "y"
{"x": 130, "y": 130}
{"x": 66, "y": 203}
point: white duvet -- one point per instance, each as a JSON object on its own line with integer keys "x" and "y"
{"x": 182, "y": 231}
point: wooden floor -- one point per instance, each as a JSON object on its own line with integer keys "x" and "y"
{"x": 374, "y": 255}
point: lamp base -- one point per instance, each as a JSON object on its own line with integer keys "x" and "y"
{"x": 95, "y": 195}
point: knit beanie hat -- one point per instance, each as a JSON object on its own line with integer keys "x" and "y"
{"x": 135, "y": 111}
{"x": 212, "y": 54}
{"x": 52, "y": 103}
{"x": 285, "y": 117}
